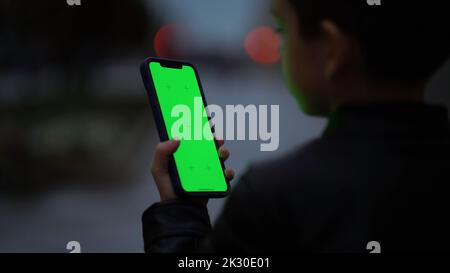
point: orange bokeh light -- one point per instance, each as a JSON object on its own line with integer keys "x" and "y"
{"x": 262, "y": 45}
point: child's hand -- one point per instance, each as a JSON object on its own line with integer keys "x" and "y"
{"x": 160, "y": 168}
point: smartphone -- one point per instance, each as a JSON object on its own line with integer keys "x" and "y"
{"x": 195, "y": 168}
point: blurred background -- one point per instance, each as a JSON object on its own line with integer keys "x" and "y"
{"x": 76, "y": 132}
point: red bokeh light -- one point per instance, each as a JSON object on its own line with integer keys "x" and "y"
{"x": 165, "y": 40}
{"x": 262, "y": 45}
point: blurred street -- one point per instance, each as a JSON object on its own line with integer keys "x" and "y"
{"x": 76, "y": 132}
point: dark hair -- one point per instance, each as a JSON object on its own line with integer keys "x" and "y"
{"x": 403, "y": 41}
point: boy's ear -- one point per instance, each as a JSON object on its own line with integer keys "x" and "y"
{"x": 338, "y": 48}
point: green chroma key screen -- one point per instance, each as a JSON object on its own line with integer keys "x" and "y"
{"x": 197, "y": 161}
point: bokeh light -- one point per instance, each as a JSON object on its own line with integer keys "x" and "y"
{"x": 164, "y": 41}
{"x": 262, "y": 45}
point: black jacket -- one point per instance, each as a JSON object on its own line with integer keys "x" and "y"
{"x": 380, "y": 172}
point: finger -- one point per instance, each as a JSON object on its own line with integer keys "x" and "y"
{"x": 229, "y": 173}
{"x": 220, "y": 142}
{"x": 161, "y": 156}
{"x": 224, "y": 153}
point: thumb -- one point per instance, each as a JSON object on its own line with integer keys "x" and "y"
{"x": 161, "y": 156}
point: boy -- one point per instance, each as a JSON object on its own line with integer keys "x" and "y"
{"x": 378, "y": 173}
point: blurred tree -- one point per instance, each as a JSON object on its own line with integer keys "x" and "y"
{"x": 73, "y": 39}
{"x": 49, "y": 137}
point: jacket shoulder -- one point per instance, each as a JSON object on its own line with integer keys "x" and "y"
{"x": 302, "y": 164}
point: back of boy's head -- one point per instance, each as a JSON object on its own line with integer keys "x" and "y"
{"x": 403, "y": 42}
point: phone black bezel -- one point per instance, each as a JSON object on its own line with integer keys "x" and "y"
{"x": 162, "y": 130}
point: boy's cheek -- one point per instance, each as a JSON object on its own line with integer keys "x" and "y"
{"x": 291, "y": 66}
